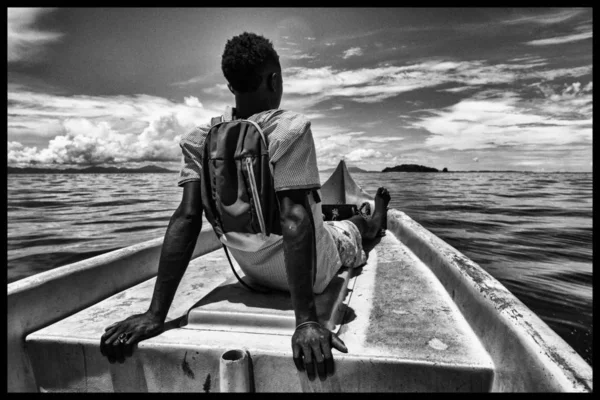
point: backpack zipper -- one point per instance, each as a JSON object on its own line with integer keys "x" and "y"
{"x": 254, "y": 189}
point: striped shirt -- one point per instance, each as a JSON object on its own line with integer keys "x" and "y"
{"x": 293, "y": 157}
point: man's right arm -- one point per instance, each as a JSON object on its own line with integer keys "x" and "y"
{"x": 179, "y": 243}
{"x": 178, "y": 246}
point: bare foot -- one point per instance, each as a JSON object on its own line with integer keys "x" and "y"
{"x": 382, "y": 199}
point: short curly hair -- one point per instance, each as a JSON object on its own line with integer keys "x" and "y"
{"x": 245, "y": 59}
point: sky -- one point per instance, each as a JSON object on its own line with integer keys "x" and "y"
{"x": 459, "y": 88}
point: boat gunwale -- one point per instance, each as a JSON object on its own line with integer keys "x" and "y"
{"x": 551, "y": 354}
{"x": 45, "y": 298}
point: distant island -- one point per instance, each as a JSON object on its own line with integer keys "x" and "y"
{"x": 410, "y": 168}
{"x": 148, "y": 169}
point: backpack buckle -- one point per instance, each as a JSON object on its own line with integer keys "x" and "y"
{"x": 216, "y": 120}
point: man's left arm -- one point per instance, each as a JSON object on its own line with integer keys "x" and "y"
{"x": 311, "y": 342}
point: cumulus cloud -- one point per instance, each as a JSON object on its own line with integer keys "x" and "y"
{"x": 97, "y": 130}
{"x": 192, "y": 102}
{"x": 17, "y": 153}
{"x": 86, "y": 143}
{"x": 334, "y": 142}
{"x": 476, "y": 159}
{"x": 24, "y": 40}
{"x": 122, "y": 129}
{"x": 351, "y": 52}
{"x": 331, "y": 148}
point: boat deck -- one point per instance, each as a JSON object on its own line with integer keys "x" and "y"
{"x": 402, "y": 329}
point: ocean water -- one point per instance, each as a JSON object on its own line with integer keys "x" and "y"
{"x": 531, "y": 231}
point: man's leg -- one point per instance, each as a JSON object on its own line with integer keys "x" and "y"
{"x": 369, "y": 228}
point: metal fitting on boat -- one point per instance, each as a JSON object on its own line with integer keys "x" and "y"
{"x": 234, "y": 371}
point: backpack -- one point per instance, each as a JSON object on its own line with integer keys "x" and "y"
{"x": 238, "y": 192}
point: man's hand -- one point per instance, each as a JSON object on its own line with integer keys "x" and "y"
{"x": 185, "y": 225}
{"x": 313, "y": 343}
{"x": 119, "y": 339}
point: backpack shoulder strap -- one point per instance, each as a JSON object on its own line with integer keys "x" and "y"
{"x": 264, "y": 140}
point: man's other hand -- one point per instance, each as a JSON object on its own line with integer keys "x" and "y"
{"x": 312, "y": 344}
{"x": 119, "y": 339}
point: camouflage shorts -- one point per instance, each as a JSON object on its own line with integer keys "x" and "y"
{"x": 348, "y": 242}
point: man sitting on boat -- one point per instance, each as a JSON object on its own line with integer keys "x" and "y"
{"x": 303, "y": 258}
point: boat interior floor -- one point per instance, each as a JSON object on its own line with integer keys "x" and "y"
{"x": 402, "y": 329}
